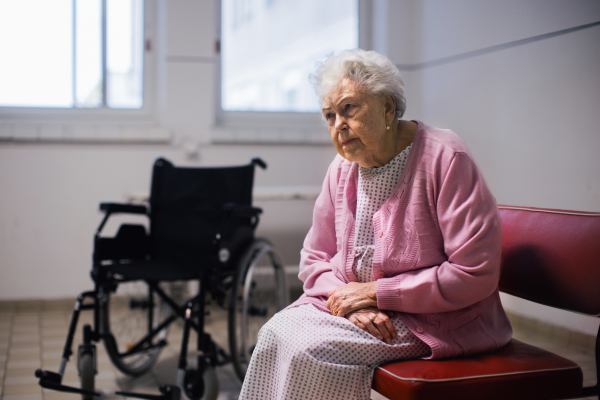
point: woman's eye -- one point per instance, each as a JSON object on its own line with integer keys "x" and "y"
{"x": 328, "y": 115}
{"x": 347, "y": 106}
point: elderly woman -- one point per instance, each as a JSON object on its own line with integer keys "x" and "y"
{"x": 403, "y": 257}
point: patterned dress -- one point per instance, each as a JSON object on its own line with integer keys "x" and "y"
{"x": 305, "y": 353}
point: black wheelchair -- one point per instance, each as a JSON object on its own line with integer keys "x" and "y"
{"x": 201, "y": 228}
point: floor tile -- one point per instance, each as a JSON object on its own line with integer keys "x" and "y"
{"x": 14, "y": 350}
{"x": 16, "y": 373}
{"x": 24, "y": 346}
{"x": 23, "y": 397}
{"x": 52, "y": 355}
{"x": 25, "y": 328}
{"x": 21, "y": 389}
{"x": 53, "y": 395}
{"x": 25, "y": 339}
{"x": 12, "y": 356}
{"x": 50, "y": 365}
{"x": 25, "y": 319}
{"x": 53, "y": 347}
{"x": 23, "y": 364}
{"x": 54, "y": 341}
{"x": 21, "y": 380}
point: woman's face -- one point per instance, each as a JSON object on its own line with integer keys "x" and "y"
{"x": 357, "y": 123}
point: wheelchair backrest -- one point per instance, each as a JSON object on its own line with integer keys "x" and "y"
{"x": 186, "y": 210}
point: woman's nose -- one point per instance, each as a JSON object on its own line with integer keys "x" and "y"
{"x": 340, "y": 123}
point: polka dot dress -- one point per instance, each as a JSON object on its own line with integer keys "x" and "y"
{"x": 305, "y": 353}
{"x": 374, "y": 187}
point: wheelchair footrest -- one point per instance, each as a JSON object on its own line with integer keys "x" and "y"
{"x": 52, "y": 380}
{"x": 169, "y": 392}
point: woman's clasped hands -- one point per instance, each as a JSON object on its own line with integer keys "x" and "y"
{"x": 358, "y": 303}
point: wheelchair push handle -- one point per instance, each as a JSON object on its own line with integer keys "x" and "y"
{"x": 259, "y": 162}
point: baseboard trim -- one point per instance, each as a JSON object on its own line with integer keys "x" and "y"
{"x": 555, "y": 333}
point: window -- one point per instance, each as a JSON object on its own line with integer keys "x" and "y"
{"x": 71, "y": 53}
{"x": 268, "y": 49}
{"x": 78, "y": 71}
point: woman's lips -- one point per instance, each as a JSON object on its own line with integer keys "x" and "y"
{"x": 345, "y": 142}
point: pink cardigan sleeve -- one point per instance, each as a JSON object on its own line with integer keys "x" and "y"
{"x": 472, "y": 232}
{"x": 320, "y": 248}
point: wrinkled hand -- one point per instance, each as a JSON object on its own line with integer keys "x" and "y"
{"x": 376, "y": 322}
{"x": 351, "y": 297}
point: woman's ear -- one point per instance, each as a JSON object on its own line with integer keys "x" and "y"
{"x": 390, "y": 108}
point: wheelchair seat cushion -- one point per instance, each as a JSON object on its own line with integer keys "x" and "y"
{"x": 150, "y": 271}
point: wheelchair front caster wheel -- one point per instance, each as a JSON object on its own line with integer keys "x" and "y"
{"x": 86, "y": 375}
{"x": 203, "y": 386}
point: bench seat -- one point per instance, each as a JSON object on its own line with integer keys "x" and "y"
{"x": 518, "y": 368}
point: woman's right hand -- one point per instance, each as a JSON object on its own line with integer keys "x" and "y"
{"x": 374, "y": 321}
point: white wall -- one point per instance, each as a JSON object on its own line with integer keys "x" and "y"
{"x": 527, "y": 113}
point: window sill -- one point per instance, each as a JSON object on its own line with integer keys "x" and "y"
{"x": 269, "y": 128}
{"x": 83, "y": 132}
{"x": 270, "y": 135}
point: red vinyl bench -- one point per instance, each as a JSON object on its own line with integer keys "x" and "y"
{"x": 551, "y": 257}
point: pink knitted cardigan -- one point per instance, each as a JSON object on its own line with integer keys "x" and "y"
{"x": 437, "y": 246}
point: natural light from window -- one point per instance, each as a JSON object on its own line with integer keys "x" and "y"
{"x": 269, "y": 47}
{"x": 51, "y": 53}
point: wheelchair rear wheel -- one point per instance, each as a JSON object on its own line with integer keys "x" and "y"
{"x": 128, "y": 315}
{"x": 259, "y": 291}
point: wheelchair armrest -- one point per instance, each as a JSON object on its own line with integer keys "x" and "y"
{"x": 110, "y": 208}
{"x": 130, "y": 243}
{"x": 242, "y": 210}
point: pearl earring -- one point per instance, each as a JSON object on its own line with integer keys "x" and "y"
{"x": 388, "y": 128}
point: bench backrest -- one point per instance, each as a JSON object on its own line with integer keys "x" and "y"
{"x": 552, "y": 257}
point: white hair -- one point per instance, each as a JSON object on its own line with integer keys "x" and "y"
{"x": 370, "y": 71}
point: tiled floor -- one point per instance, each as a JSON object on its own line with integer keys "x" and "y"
{"x": 32, "y": 336}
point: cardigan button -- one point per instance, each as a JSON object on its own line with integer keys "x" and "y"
{"x": 420, "y": 329}
{"x": 380, "y": 233}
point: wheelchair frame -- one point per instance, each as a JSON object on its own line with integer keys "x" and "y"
{"x": 189, "y": 381}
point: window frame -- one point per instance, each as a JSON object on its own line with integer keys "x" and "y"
{"x": 27, "y": 123}
{"x": 276, "y": 127}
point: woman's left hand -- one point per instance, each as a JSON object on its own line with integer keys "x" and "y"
{"x": 351, "y": 297}
{"x": 376, "y": 322}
